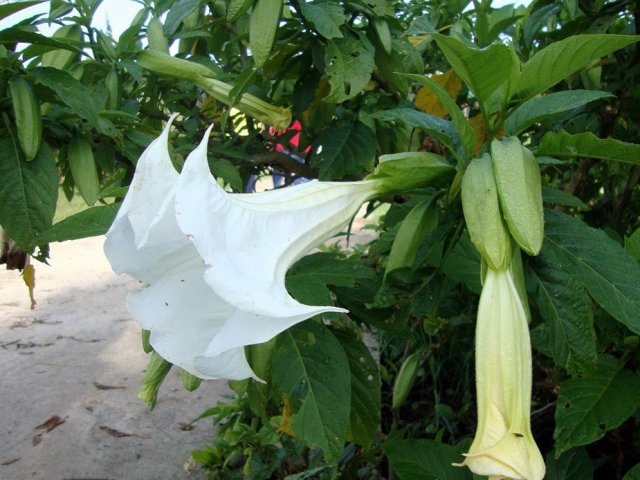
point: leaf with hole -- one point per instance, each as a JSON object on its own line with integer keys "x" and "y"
{"x": 589, "y": 407}
{"x": 349, "y": 63}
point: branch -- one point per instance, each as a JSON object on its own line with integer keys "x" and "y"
{"x": 286, "y": 163}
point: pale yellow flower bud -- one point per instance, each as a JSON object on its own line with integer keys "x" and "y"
{"x": 503, "y": 447}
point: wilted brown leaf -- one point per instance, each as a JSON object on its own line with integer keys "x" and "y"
{"x": 51, "y": 423}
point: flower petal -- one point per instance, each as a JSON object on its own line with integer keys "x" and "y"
{"x": 251, "y": 240}
{"x": 183, "y": 316}
{"x": 146, "y": 219}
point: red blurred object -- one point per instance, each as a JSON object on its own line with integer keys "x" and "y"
{"x": 291, "y": 146}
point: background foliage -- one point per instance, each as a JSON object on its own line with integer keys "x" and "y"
{"x": 365, "y": 78}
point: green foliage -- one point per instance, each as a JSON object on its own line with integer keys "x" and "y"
{"x": 587, "y": 145}
{"x": 588, "y": 407}
{"x": 610, "y": 275}
{"x": 425, "y": 459}
{"x": 385, "y": 390}
{"x": 572, "y": 464}
{"x": 29, "y": 191}
{"x": 312, "y": 370}
{"x": 343, "y": 150}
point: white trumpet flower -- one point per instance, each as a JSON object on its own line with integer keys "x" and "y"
{"x": 503, "y": 447}
{"x": 214, "y": 263}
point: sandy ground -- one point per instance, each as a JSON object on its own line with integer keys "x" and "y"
{"x": 77, "y": 356}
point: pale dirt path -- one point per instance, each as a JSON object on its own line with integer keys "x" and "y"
{"x": 51, "y": 358}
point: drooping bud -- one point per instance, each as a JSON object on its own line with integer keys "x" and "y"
{"x": 519, "y": 189}
{"x": 482, "y": 214}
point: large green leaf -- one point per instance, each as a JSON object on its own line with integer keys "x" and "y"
{"x": 425, "y": 460}
{"x": 364, "y": 419}
{"x": 563, "y": 144}
{"x": 87, "y": 223}
{"x": 28, "y": 190}
{"x": 178, "y": 12}
{"x": 326, "y": 17}
{"x": 308, "y": 289}
{"x": 17, "y": 34}
{"x": 331, "y": 270}
{"x": 588, "y": 407}
{"x": 344, "y": 150}
{"x": 75, "y": 95}
{"x": 607, "y": 271}
{"x": 465, "y": 130}
{"x": 13, "y": 7}
{"x": 349, "y": 63}
{"x": 443, "y": 130}
{"x": 483, "y": 70}
{"x": 545, "y": 107}
{"x": 572, "y": 465}
{"x": 556, "y": 62}
{"x": 311, "y": 368}
{"x": 569, "y": 335}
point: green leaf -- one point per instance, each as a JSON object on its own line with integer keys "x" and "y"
{"x": 331, "y": 270}
{"x": 563, "y": 144}
{"x": 308, "y": 289}
{"x": 463, "y": 264}
{"x": 364, "y": 419}
{"x": 425, "y": 460}
{"x": 556, "y": 62}
{"x": 87, "y": 223}
{"x": 16, "y": 34}
{"x": 13, "y": 7}
{"x": 542, "y": 108}
{"x": 311, "y": 367}
{"x": 443, "y": 130}
{"x": 237, "y": 8}
{"x": 420, "y": 221}
{"x": 633, "y": 474}
{"x": 326, "y": 17}
{"x": 589, "y": 407}
{"x": 343, "y": 150}
{"x": 555, "y": 196}
{"x": 471, "y": 65}
{"x": 607, "y": 271}
{"x": 349, "y": 63}
{"x": 224, "y": 169}
{"x": 632, "y": 244}
{"x": 566, "y": 308}
{"x": 28, "y": 192}
{"x": 572, "y": 465}
{"x": 263, "y": 26}
{"x": 177, "y": 14}
{"x": 75, "y": 95}
{"x": 465, "y": 130}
